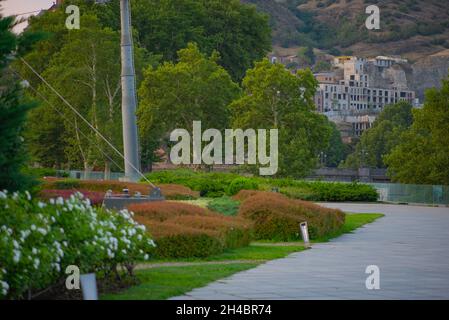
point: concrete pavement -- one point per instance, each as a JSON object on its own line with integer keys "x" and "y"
{"x": 409, "y": 245}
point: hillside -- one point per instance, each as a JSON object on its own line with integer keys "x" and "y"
{"x": 417, "y": 30}
{"x": 411, "y": 28}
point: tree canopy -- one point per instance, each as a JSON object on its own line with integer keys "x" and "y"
{"x": 237, "y": 31}
{"x": 422, "y": 155}
{"x": 173, "y": 95}
{"x": 84, "y": 69}
{"x": 274, "y": 98}
{"x": 13, "y": 111}
{"x": 379, "y": 140}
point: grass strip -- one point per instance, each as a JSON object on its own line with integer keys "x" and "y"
{"x": 165, "y": 282}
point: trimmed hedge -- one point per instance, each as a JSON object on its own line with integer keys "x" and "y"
{"x": 218, "y": 184}
{"x": 185, "y": 231}
{"x": 330, "y": 191}
{"x": 277, "y": 217}
{"x": 212, "y": 185}
{"x": 96, "y": 198}
{"x": 44, "y": 172}
{"x": 242, "y": 183}
{"x": 170, "y": 191}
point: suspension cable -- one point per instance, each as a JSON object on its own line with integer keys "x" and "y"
{"x": 62, "y": 115}
{"x": 86, "y": 121}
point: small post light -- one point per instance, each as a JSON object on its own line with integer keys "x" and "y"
{"x": 305, "y": 234}
{"x": 126, "y": 192}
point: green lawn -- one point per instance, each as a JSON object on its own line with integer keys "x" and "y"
{"x": 352, "y": 222}
{"x": 165, "y": 282}
{"x": 256, "y": 251}
{"x": 168, "y": 281}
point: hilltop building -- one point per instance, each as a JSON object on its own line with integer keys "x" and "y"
{"x": 348, "y": 97}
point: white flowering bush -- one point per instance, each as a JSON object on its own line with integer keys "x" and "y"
{"x": 39, "y": 240}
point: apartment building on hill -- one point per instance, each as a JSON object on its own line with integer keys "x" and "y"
{"x": 347, "y": 97}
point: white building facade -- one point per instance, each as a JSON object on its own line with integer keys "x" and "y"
{"x": 346, "y": 95}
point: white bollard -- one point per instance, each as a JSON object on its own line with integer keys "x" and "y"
{"x": 89, "y": 286}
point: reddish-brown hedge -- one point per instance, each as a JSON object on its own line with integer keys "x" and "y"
{"x": 96, "y": 198}
{"x": 184, "y": 230}
{"x": 170, "y": 191}
{"x": 276, "y": 217}
{"x": 245, "y": 194}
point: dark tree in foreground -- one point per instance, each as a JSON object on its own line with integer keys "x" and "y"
{"x": 13, "y": 112}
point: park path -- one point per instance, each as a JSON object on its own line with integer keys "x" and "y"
{"x": 410, "y": 245}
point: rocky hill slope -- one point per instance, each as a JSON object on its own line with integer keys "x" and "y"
{"x": 417, "y": 30}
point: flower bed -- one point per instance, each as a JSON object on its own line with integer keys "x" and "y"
{"x": 277, "y": 217}
{"x": 185, "y": 231}
{"x": 39, "y": 240}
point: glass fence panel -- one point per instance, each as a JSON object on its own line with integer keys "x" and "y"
{"x": 95, "y": 175}
{"x": 411, "y": 193}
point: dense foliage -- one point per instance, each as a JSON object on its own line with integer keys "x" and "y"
{"x": 274, "y": 98}
{"x": 217, "y": 185}
{"x": 174, "y": 95}
{"x": 13, "y": 111}
{"x": 241, "y": 184}
{"x": 422, "y": 155}
{"x": 239, "y": 33}
{"x": 38, "y": 240}
{"x": 208, "y": 184}
{"x": 379, "y": 140}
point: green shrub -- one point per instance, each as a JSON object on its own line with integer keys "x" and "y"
{"x": 67, "y": 184}
{"x": 300, "y": 193}
{"x": 239, "y": 184}
{"x": 45, "y": 172}
{"x": 224, "y": 205}
{"x": 217, "y": 184}
{"x": 39, "y": 240}
{"x": 212, "y": 185}
{"x": 187, "y": 246}
{"x": 344, "y": 192}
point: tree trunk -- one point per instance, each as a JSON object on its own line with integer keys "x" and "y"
{"x": 107, "y": 170}
{"x": 87, "y": 170}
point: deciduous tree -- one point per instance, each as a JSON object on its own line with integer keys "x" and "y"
{"x": 422, "y": 155}
{"x": 379, "y": 140}
{"x": 276, "y": 99}
{"x": 174, "y": 95}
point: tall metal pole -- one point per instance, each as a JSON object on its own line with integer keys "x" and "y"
{"x": 129, "y": 100}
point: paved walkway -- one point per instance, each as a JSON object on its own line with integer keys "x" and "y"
{"x": 410, "y": 245}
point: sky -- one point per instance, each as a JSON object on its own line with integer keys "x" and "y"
{"x": 12, "y": 7}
